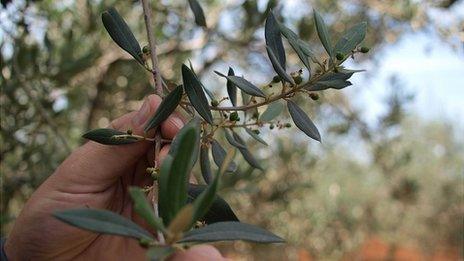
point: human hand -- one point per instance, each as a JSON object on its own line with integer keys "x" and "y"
{"x": 96, "y": 176}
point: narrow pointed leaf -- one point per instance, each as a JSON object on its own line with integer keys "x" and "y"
{"x": 218, "y": 212}
{"x": 175, "y": 172}
{"x": 247, "y": 154}
{"x": 195, "y": 124}
{"x": 274, "y": 39}
{"x": 329, "y": 84}
{"x": 244, "y": 85}
{"x": 110, "y": 137}
{"x": 195, "y": 93}
{"x": 206, "y": 198}
{"x": 232, "y": 141}
{"x": 197, "y": 12}
{"x": 277, "y": 67}
{"x": 294, "y": 41}
{"x": 302, "y": 121}
{"x": 205, "y": 164}
{"x": 219, "y": 155}
{"x": 272, "y": 111}
{"x": 208, "y": 92}
{"x": 227, "y": 231}
{"x": 231, "y": 88}
{"x": 121, "y": 33}
{"x": 167, "y": 106}
{"x": 144, "y": 209}
{"x": 159, "y": 253}
{"x": 255, "y": 136}
{"x": 182, "y": 221}
{"x": 323, "y": 33}
{"x": 102, "y": 221}
{"x": 351, "y": 38}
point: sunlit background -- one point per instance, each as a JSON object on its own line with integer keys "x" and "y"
{"x": 386, "y": 183}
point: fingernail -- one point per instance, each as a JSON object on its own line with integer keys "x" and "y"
{"x": 142, "y": 115}
{"x": 177, "y": 122}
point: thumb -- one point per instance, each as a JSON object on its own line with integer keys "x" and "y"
{"x": 105, "y": 162}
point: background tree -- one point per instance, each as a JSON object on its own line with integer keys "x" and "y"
{"x": 62, "y": 75}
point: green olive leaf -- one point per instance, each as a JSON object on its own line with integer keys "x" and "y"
{"x": 272, "y": 111}
{"x": 205, "y": 164}
{"x": 195, "y": 93}
{"x": 102, "y": 221}
{"x": 110, "y": 137}
{"x": 255, "y": 136}
{"x": 175, "y": 172}
{"x": 232, "y": 141}
{"x": 219, "y": 155}
{"x": 218, "y": 212}
{"x": 243, "y": 84}
{"x": 296, "y": 44}
{"x": 121, "y": 33}
{"x": 302, "y": 121}
{"x": 227, "y": 231}
{"x": 323, "y": 33}
{"x": 351, "y": 38}
{"x": 246, "y": 153}
{"x": 197, "y": 12}
{"x": 144, "y": 209}
{"x": 203, "y": 202}
{"x": 231, "y": 88}
{"x": 277, "y": 67}
{"x": 274, "y": 39}
{"x": 167, "y": 106}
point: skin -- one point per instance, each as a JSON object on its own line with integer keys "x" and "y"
{"x": 96, "y": 176}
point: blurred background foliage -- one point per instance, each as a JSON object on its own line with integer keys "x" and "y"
{"x": 399, "y": 179}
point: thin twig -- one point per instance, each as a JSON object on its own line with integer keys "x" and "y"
{"x": 158, "y": 90}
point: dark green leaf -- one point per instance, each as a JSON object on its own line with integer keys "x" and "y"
{"x": 273, "y": 110}
{"x": 110, "y": 137}
{"x": 277, "y": 67}
{"x": 218, "y": 212}
{"x": 323, "y": 33}
{"x": 102, "y": 221}
{"x": 195, "y": 93}
{"x": 208, "y": 92}
{"x": 195, "y": 124}
{"x": 302, "y": 121}
{"x": 167, "y": 106}
{"x": 274, "y": 39}
{"x": 247, "y": 154}
{"x": 304, "y": 46}
{"x": 255, "y": 136}
{"x": 334, "y": 84}
{"x": 197, "y": 12}
{"x": 219, "y": 154}
{"x": 203, "y": 202}
{"x": 205, "y": 164}
{"x": 351, "y": 38}
{"x": 231, "y": 88}
{"x": 121, "y": 33}
{"x": 227, "y": 231}
{"x": 294, "y": 41}
{"x": 144, "y": 209}
{"x": 244, "y": 85}
{"x": 175, "y": 172}
{"x": 232, "y": 141}
{"x": 159, "y": 253}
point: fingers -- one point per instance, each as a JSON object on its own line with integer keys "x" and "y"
{"x": 171, "y": 126}
{"x": 95, "y": 163}
{"x": 198, "y": 253}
